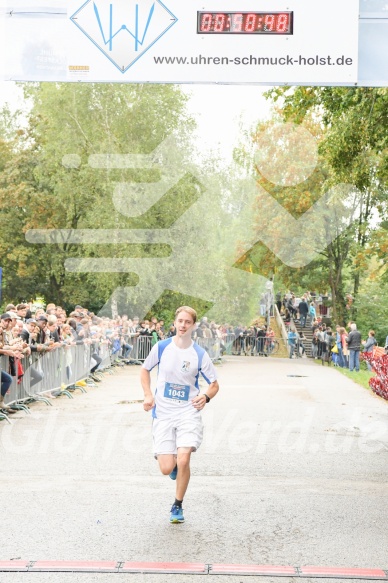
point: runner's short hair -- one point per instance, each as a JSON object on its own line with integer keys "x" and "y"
{"x": 189, "y": 310}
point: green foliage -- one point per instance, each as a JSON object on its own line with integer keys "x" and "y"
{"x": 353, "y": 147}
{"x": 165, "y": 307}
{"x": 372, "y": 309}
{"x": 82, "y": 120}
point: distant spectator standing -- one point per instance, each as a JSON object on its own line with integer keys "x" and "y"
{"x": 292, "y": 342}
{"x": 263, "y": 305}
{"x": 29, "y": 334}
{"x": 354, "y": 346}
{"x": 291, "y": 306}
{"x": 301, "y": 344}
{"x": 369, "y": 345}
{"x": 6, "y": 350}
{"x": 329, "y": 343}
{"x": 338, "y": 341}
{"x": 303, "y": 312}
{"x": 314, "y": 344}
{"x": 345, "y": 350}
{"x": 260, "y": 340}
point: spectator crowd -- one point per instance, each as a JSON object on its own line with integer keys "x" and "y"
{"x": 29, "y": 332}
{"x": 340, "y": 345}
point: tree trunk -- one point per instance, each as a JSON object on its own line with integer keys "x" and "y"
{"x": 335, "y": 263}
{"x": 55, "y": 291}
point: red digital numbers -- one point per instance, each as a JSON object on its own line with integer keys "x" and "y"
{"x": 283, "y": 22}
{"x": 250, "y": 23}
{"x": 245, "y": 22}
{"x": 219, "y": 22}
{"x": 206, "y": 22}
{"x": 269, "y": 22}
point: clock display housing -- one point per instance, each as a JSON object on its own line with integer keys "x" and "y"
{"x": 279, "y": 23}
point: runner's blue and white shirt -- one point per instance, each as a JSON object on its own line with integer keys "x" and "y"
{"x": 177, "y": 382}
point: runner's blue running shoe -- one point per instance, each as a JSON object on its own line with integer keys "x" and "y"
{"x": 174, "y": 473}
{"x": 176, "y": 514}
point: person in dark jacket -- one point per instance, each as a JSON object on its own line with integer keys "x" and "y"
{"x": 303, "y": 311}
{"x": 354, "y": 347}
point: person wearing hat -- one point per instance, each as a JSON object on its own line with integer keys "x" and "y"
{"x": 42, "y": 333}
{"x": 14, "y": 315}
{"x": 43, "y": 336}
{"x": 8, "y": 320}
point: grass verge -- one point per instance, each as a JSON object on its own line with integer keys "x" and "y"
{"x": 361, "y": 378}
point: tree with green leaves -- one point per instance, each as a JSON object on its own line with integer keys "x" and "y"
{"x": 74, "y": 122}
{"x": 349, "y": 124}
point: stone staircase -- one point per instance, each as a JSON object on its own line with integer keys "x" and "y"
{"x": 307, "y": 331}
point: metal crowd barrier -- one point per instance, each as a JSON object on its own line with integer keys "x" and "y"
{"x": 52, "y": 371}
{"x": 142, "y": 346}
{"x": 229, "y": 342}
{"x": 106, "y": 356}
{"x": 256, "y": 346}
{"x": 212, "y": 347}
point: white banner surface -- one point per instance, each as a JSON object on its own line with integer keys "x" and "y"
{"x": 171, "y": 41}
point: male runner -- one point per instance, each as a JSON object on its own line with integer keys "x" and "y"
{"x": 177, "y": 423}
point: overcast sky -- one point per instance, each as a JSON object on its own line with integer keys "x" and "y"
{"x": 221, "y": 110}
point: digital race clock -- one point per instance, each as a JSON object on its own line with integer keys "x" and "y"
{"x": 245, "y": 22}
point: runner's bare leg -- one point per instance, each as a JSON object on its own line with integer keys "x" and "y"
{"x": 167, "y": 462}
{"x": 183, "y": 476}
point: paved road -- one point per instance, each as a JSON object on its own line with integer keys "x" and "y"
{"x": 293, "y": 471}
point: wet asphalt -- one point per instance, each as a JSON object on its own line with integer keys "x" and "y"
{"x": 292, "y": 471}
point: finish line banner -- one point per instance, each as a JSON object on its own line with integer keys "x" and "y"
{"x": 170, "y": 41}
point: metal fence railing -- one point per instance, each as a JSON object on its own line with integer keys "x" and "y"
{"x": 255, "y": 346}
{"x": 212, "y": 347}
{"x": 106, "y": 357}
{"x": 53, "y": 371}
{"x": 141, "y": 347}
{"x": 215, "y": 347}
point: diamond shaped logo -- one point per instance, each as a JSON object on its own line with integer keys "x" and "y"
{"x": 123, "y": 30}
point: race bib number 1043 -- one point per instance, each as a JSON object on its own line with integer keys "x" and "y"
{"x": 176, "y": 392}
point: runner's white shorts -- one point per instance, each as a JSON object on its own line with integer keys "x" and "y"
{"x": 170, "y": 434}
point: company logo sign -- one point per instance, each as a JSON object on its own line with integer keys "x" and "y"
{"x": 123, "y": 30}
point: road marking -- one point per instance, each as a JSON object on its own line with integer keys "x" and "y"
{"x": 192, "y": 568}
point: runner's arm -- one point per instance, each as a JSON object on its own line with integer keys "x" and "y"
{"x": 200, "y": 401}
{"x": 145, "y": 379}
